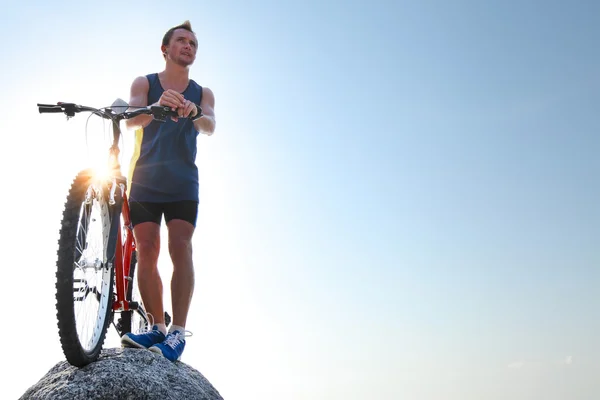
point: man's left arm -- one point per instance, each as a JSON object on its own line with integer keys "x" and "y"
{"x": 206, "y": 123}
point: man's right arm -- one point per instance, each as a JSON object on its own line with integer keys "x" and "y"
{"x": 139, "y": 98}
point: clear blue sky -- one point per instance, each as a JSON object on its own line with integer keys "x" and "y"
{"x": 400, "y": 200}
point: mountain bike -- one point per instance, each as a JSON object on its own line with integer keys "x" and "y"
{"x": 96, "y": 258}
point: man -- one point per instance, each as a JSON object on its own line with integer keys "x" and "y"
{"x": 164, "y": 182}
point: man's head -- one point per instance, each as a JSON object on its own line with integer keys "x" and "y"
{"x": 180, "y": 44}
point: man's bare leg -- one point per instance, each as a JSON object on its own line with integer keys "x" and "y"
{"x": 147, "y": 241}
{"x": 182, "y": 282}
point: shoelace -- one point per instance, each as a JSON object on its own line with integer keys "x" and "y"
{"x": 150, "y": 321}
{"x": 176, "y": 338}
{"x": 148, "y": 327}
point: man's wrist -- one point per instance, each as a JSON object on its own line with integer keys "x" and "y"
{"x": 198, "y": 114}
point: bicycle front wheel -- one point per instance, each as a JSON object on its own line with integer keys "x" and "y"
{"x": 84, "y": 277}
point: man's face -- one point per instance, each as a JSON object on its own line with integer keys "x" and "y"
{"x": 182, "y": 47}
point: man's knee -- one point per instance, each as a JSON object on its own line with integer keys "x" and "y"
{"x": 180, "y": 237}
{"x": 180, "y": 245}
{"x": 147, "y": 242}
{"x": 148, "y": 249}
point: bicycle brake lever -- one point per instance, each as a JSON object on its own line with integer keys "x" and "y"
{"x": 70, "y": 108}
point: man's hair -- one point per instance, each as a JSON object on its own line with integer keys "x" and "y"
{"x": 167, "y": 38}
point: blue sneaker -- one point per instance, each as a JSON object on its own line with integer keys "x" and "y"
{"x": 143, "y": 340}
{"x": 172, "y": 347}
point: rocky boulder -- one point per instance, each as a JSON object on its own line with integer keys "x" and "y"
{"x": 124, "y": 374}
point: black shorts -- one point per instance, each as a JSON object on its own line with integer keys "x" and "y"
{"x": 142, "y": 211}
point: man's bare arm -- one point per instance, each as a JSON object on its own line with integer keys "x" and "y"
{"x": 207, "y": 123}
{"x": 139, "y": 98}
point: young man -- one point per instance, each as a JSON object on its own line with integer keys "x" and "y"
{"x": 164, "y": 182}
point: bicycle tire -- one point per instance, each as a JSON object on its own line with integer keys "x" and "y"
{"x": 77, "y": 226}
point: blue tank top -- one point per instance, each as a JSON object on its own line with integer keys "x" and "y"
{"x": 163, "y": 166}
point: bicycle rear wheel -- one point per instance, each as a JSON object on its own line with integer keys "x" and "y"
{"x": 135, "y": 321}
{"x": 84, "y": 276}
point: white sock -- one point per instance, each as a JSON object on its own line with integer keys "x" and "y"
{"x": 162, "y": 327}
{"x": 176, "y": 328}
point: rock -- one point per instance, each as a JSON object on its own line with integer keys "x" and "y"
{"x": 123, "y": 374}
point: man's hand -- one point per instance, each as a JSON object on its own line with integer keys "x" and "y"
{"x": 176, "y": 101}
{"x": 189, "y": 109}
{"x": 171, "y": 98}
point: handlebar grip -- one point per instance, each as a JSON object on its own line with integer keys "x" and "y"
{"x": 50, "y": 109}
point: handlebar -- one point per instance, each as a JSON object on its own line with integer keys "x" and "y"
{"x": 159, "y": 113}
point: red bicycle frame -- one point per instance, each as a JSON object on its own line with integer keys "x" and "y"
{"x": 124, "y": 252}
